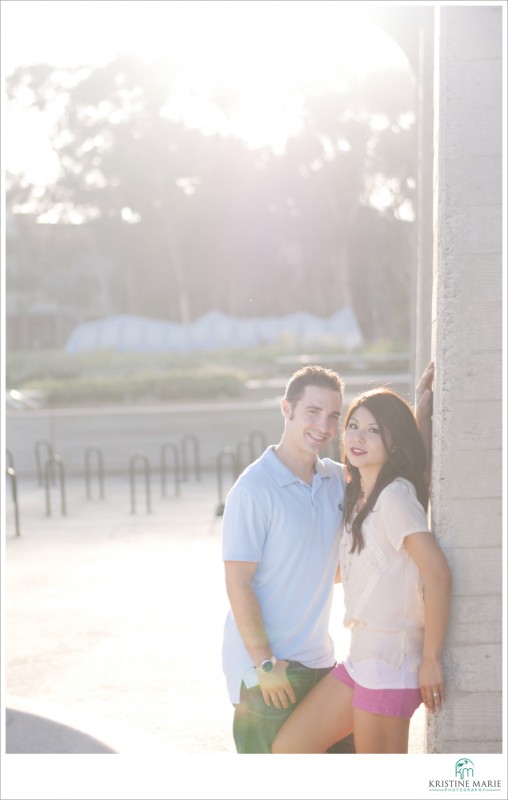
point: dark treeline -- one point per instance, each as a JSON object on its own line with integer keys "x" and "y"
{"x": 175, "y": 222}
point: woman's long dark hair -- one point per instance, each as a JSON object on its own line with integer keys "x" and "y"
{"x": 406, "y": 455}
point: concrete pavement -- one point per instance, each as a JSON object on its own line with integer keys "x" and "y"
{"x": 118, "y": 616}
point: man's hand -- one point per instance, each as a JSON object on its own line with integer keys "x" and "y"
{"x": 275, "y": 687}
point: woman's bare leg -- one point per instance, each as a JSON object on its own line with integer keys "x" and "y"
{"x": 377, "y": 734}
{"x": 323, "y": 717}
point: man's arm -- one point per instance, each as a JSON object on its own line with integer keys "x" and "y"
{"x": 423, "y": 411}
{"x": 274, "y": 685}
{"x": 246, "y": 609}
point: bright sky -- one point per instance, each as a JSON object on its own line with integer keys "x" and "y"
{"x": 269, "y": 47}
{"x": 246, "y": 34}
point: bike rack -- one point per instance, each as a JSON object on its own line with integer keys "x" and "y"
{"x": 176, "y": 467}
{"x": 11, "y": 472}
{"x": 240, "y": 465}
{"x": 227, "y": 453}
{"x": 49, "y": 455}
{"x": 132, "y": 467}
{"x": 100, "y": 470}
{"x": 253, "y": 437}
{"x": 49, "y": 467}
{"x": 189, "y": 437}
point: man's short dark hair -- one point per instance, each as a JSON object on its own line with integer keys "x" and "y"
{"x": 312, "y": 375}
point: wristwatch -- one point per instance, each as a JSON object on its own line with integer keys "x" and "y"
{"x": 267, "y": 665}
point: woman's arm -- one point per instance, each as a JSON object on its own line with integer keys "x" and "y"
{"x": 437, "y": 579}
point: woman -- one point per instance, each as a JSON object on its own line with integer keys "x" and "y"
{"x": 397, "y": 588}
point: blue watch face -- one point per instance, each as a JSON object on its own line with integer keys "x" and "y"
{"x": 267, "y": 666}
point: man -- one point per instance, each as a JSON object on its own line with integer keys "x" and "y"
{"x": 280, "y": 542}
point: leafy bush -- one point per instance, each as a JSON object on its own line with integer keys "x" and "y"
{"x": 107, "y": 376}
{"x": 142, "y": 387}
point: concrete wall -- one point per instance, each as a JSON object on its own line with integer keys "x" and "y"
{"x": 424, "y": 236}
{"x": 467, "y": 348}
{"x": 124, "y": 431}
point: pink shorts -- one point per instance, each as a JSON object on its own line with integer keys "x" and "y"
{"x": 387, "y": 702}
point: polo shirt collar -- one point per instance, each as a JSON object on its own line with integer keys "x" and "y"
{"x": 283, "y": 474}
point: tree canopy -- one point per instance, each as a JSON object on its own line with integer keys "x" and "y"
{"x": 151, "y": 216}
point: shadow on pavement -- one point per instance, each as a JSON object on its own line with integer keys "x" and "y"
{"x": 30, "y": 733}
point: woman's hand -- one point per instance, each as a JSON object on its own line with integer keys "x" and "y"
{"x": 431, "y": 676}
{"x": 424, "y": 394}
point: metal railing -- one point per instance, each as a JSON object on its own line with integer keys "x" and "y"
{"x": 237, "y": 462}
{"x": 49, "y": 477}
{"x": 189, "y": 438}
{"x": 89, "y": 451}
{"x": 227, "y": 454}
{"x": 164, "y": 467}
{"x": 11, "y": 472}
{"x": 256, "y": 437}
{"x": 38, "y": 461}
{"x": 139, "y": 457}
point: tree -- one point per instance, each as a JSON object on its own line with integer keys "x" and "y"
{"x": 178, "y": 222}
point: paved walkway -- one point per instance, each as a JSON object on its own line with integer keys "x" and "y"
{"x": 113, "y": 623}
{"x": 117, "y": 617}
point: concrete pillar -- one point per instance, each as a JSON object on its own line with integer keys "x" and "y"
{"x": 424, "y": 239}
{"x": 467, "y": 348}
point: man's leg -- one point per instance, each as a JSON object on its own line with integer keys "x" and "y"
{"x": 255, "y": 724}
{"x": 346, "y": 745}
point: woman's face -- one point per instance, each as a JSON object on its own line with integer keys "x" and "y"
{"x": 363, "y": 443}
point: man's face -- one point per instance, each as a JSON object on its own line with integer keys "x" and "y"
{"x": 313, "y": 421}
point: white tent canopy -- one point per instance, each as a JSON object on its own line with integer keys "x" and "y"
{"x": 214, "y": 330}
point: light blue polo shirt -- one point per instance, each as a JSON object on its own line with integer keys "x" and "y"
{"x": 292, "y": 530}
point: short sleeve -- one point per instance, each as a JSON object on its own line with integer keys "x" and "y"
{"x": 401, "y": 512}
{"x": 244, "y": 526}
